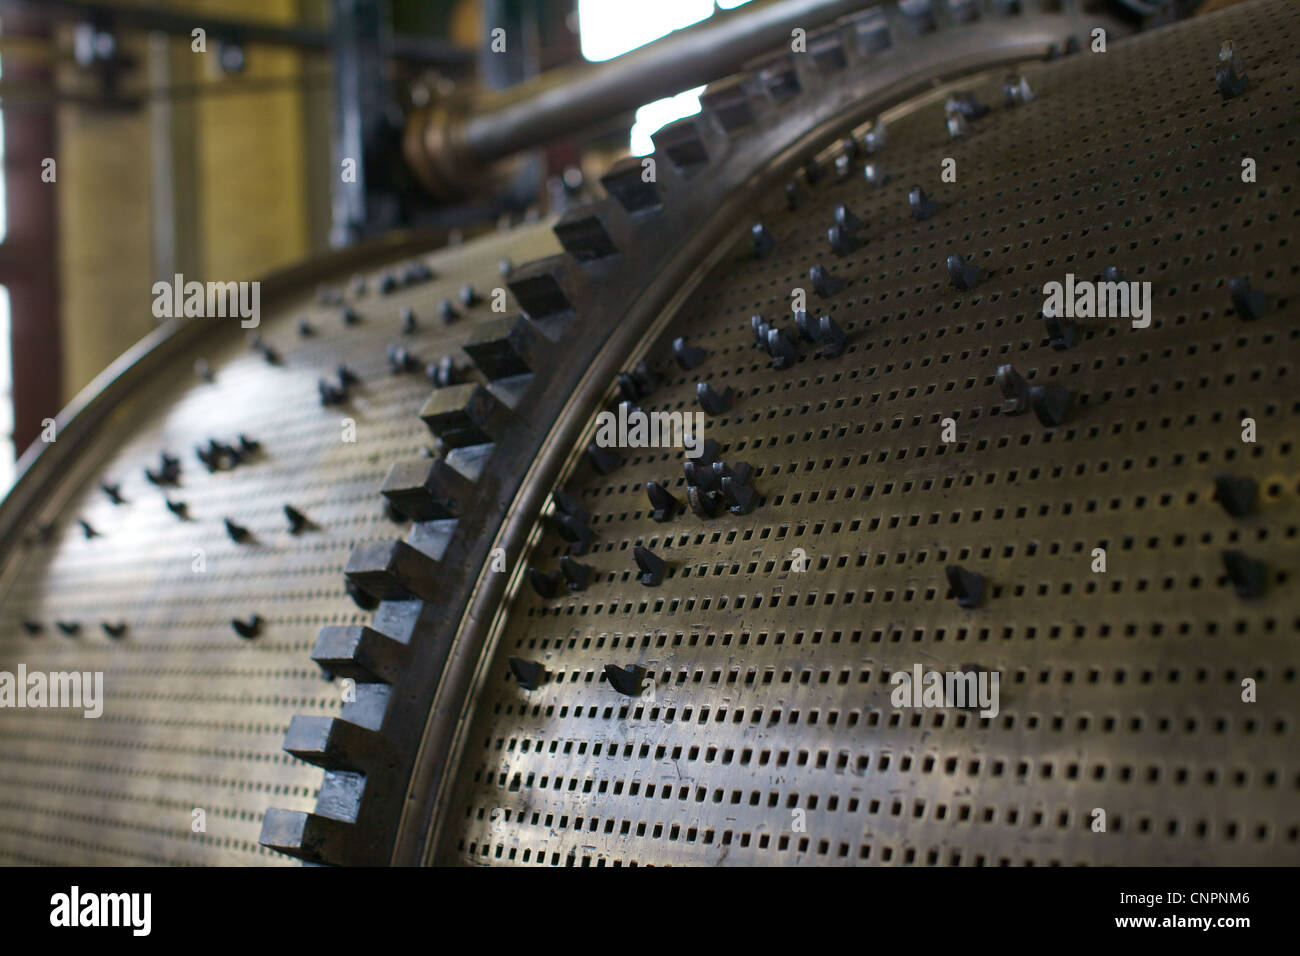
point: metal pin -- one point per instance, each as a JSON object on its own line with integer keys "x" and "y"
{"x": 843, "y": 168}
{"x": 739, "y": 496}
{"x": 967, "y": 586}
{"x": 664, "y": 506}
{"x": 782, "y": 350}
{"x": 875, "y": 138}
{"x": 650, "y": 565}
{"x": 625, "y": 680}
{"x": 845, "y": 219}
{"x": 1249, "y": 576}
{"x": 964, "y": 275}
{"x": 824, "y": 284}
{"x": 923, "y": 207}
{"x": 576, "y": 574}
{"x": 1051, "y": 403}
{"x": 401, "y": 361}
{"x": 762, "y": 239}
{"x": 688, "y": 356}
{"x": 807, "y": 327}
{"x": 298, "y": 521}
{"x": 330, "y": 394}
{"x": 1230, "y": 75}
{"x": 604, "y": 460}
{"x": 407, "y": 318}
{"x": 528, "y": 674}
{"x": 86, "y": 529}
{"x": 706, "y": 504}
{"x": 842, "y": 242}
{"x": 114, "y": 630}
{"x": 575, "y": 531}
{"x": 831, "y": 336}
{"x": 1061, "y": 333}
{"x": 1015, "y": 390}
{"x": 247, "y": 629}
{"x": 967, "y": 104}
{"x": 1238, "y": 496}
{"x": 714, "y": 403}
{"x": 1017, "y": 91}
{"x": 546, "y": 585}
{"x": 238, "y": 533}
{"x": 441, "y": 373}
{"x": 1248, "y": 303}
{"x": 958, "y": 128}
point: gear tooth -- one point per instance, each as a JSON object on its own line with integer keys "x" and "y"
{"x": 917, "y": 16}
{"x": 827, "y": 50}
{"x": 870, "y": 30}
{"x": 547, "y": 290}
{"x": 464, "y": 415}
{"x": 359, "y": 652}
{"x": 963, "y": 11}
{"x": 335, "y": 744}
{"x": 625, "y": 182}
{"x": 427, "y": 489}
{"x": 777, "y": 77}
{"x": 392, "y": 571}
{"x": 682, "y": 143}
{"x": 729, "y": 102}
{"x": 587, "y": 232}
{"x": 307, "y": 836}
{"x": 505, "y": 348}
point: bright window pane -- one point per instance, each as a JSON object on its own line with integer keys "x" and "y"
{"x": 610, "y": 28}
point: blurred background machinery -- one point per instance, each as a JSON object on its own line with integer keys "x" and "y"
{"x": 363, "y": 591}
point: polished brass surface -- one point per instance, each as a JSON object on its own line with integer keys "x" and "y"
{"x": 770, "y": 738}
{"x": 195, "y": 716}
{"x": 769, "y": 735}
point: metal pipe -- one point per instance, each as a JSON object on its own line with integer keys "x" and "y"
{"x": 448, "y": 147}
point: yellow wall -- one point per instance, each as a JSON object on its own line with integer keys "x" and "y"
{"x": 248, "y": 191}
